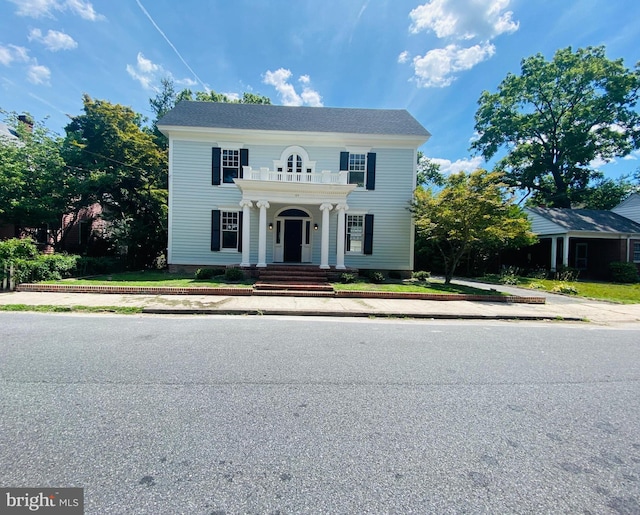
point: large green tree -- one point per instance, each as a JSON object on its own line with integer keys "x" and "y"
{"x": 126, "y": 172}
{"x": 36, "y": 185}
{"x": 471, "y": 213}
{"x": 168, "y": 97}
{"x": 556, "y": 118}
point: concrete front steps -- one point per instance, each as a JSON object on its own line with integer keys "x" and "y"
{"x": 293, "y": 280}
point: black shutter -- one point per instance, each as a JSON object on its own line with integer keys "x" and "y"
{"x": 371, "y": 171}
{"x": 368, "y": 234}
{"x": 344, "y": 161}
{"x": 215, "y": 166}
{"x": 240, "y": 231}
{"x": 215, "y": 230}
{"x": 244, "y": 161}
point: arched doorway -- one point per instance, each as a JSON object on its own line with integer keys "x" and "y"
{"x": 292, "y": 236}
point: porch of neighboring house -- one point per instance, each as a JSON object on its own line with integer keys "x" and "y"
{"x": 589, "y": 256}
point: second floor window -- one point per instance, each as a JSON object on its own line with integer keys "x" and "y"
{"x": 357, "y": 169}
{"x": 230, "y": 165}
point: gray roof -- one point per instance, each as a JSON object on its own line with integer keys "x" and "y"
{"x": 7, "y": 132}
{"x": 592, "y": 220}
{"x": 289, "y": 118}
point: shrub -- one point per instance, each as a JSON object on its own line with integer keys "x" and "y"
{"x": 51, "y": 267}
{"x": 347, "y": 278}
{"x": 376, "y": 277}
{"x": 538, "y": 273}
{"x": 233, "y": 274}
{"x": 623, "y": 272}
{"x": 509, "y": 275}
{"x": 208, "y": 273}
{"x": 564, "y": 288}
{"x": 17, "y": 248}
{"x": 567, "y": 274}
{"x": 422, "y": 275}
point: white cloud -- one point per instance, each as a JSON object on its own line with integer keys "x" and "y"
{"x": 463, "y": 19}
{"x": 46, "y": 8}
{"x": 146, "y": 72}
{"x": 54, "y": 40}
{"x": 437, "y": 68}
{"x": 232, "y": 96}
{"x": 633, "y": 156}
{"x": 38, "y": 74}
{"x": 11, "y": 53}
{"x": 456, "y": 21}
{"x": 288, "y": 95}
{"x": 149, "y": 74}
{"x": 461, "y": 165}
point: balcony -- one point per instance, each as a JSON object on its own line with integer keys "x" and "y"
{"x": 323, "y": 177}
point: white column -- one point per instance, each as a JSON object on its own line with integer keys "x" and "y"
{"x": 262, "y": 235}
{"x": 565, "y": 251}
{"x": 342, "y": 209}
{"x": 246, "y": 232}
{"x": 554, "y": 253}
{"x": 324, "y": 253}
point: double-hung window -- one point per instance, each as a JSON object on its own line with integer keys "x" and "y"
{"x": 226, "y": 230}
{"x": 357, "y": 169}
{"x": 361, "y": 168}
{"x": 227, "y": 164}
{"x": 230, "y": 165}
{"x": 355, "y": 234}
{"x": 636, "y": 252}
{"x": 229, "y": 229}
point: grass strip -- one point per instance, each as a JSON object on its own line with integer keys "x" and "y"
{"x": 47, "y": 308}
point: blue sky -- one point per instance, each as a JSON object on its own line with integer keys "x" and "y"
{"x": 433, "y": 57}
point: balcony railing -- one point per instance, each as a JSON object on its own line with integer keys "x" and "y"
{"x": 323, "y": 177}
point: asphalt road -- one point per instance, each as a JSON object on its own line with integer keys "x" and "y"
{"x": 212, "y": 415}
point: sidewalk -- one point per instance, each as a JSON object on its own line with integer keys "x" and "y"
{"x": 556, "y": 307}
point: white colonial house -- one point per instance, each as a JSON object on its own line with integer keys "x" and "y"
{"x": 253, "y": 185}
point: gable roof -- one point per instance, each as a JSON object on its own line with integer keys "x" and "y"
{"x": 589, "y": 220}
{"x": 293, "y": 118}
{"x": 7, "y": 132}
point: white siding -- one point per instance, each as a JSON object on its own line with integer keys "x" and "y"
{"x": 541, "y": 226}
{"x": 194, "y": 197}
{"x": 630, "y": 208}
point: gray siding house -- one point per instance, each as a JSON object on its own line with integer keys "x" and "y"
{"x": 253, "y": 185}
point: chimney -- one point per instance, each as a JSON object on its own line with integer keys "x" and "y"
{"x": 23, "y": 118}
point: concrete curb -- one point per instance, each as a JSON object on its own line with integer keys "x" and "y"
{"x": 352, "y": 314}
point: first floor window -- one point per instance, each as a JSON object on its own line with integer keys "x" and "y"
{"x": 636, "y": 252}
{"x": 230, "y": 165}
{"x": 229, "y": 230}
{"x": 355, "y": 234}
{"x": 357, "y": 169}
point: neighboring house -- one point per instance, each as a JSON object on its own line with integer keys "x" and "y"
{"x": 84, "y": 232}
{"x": 583, "y": 239}
{"x": 629, "y": 208}
{"x": 253, "y": 185}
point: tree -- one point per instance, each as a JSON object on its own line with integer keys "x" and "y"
{"x": 470, "y": 213}
{"x": 428, "y": 171}
{"x": 558, "y": 117}
{"x": 36, "y": 185}
{"x": 126, "y": 172}
{"x": 167, "y": 98}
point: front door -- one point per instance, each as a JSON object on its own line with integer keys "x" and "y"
{"x": 293, "y": 241}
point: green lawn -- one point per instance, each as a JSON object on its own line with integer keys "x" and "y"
{"x": 162, "y": 278}
{"x": 154, "y": 278}
{"x": 622, "y": 293}
{"x": 415, "y": 287}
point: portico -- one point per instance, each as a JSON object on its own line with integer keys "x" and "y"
{"x": 285, "y": 206}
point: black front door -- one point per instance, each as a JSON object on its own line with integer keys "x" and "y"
{"x": 293, "y": 241}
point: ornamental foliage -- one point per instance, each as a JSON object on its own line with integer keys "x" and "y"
{"x": 471, "y": 213}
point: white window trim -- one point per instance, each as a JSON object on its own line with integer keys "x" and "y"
{"x": 230, "y": 210}
{"x": 295, "y": 149}
{"x": 346, "y": 232}
{"x": 359, "y": 150}
{"x": 633, "y": 251}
